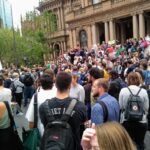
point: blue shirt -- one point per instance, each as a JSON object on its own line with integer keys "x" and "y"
{"x": 113, "y": 108}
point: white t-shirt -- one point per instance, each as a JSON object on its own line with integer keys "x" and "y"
{"x": 42, "y": 96}
{"x": 5, "y": 95}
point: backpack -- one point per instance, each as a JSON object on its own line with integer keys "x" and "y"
{"x": 134, "y": 110}
{"x": 58, "y": 134}
{"x": 28, "y": 80}
{"x": 147, "y": 79}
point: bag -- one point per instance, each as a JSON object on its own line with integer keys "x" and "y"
{"x": 147, "y": 79}
{"x": 10, "y": 135}
{"x": 105, "y": 110}
{"x": 28, "y": 80}
{"x": 134, "y": 110}
{"x": 32, "y": 138}
{"x": 58, "y": 134}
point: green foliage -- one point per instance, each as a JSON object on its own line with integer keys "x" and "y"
{"x": 40, "y": 27}
{"x": 25, "y": 47}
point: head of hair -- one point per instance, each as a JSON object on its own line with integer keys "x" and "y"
{"x": 46, "y": 81}
{"x": 49, "y": 72}
{"x": 144, "y": 65}
{"x": 1, "y": 79}
{"x": 140, "y": 72}
{"x": 114, "y": 74}
{"x": 103, "y": 83}
{"x": 113, "y": 136}
{"x": 96, "y": 73}
{"x": 63, "y": 81}
{"x": 133, "y": 79}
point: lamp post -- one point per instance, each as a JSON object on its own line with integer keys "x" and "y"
{"x": 14, "y": 39}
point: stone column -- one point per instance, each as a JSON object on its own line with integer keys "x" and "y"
{"x": 71, "y": 38}
{"x": 82, "y": 3}
{"x": 106, "y": 32}
{"x": 62, "y": 18}
{"x": 86, "y": 3}
{"x": 89, "y": 33}
{"x": 135, "y": 26}
{"x": 65, "y": 48}
{"x": 94, "y": 34}
{"x": 111, "y": 29}
{"x": 74, "y": 39}
{"x": 59, "y": 18}
{"x": 62, "y": 48}
{"x": 141, "y": 25}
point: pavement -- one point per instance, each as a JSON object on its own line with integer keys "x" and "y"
{"x": 22, "y": 122}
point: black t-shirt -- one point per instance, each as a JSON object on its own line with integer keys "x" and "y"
{"x": 58, "y": 107}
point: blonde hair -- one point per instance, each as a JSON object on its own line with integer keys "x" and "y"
{"x": 112, "y": 136}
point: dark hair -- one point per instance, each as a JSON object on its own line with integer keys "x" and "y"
{"x": 46, "y": 81}
{"x": 144, "y": 65}
{"x": 1, "y": 79}
{"x": 63, "y": 81}
{"x": 114, "y": 74}
{"x": 96, "y": 73}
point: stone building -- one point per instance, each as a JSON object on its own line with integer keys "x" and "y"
{"x": 88, "y": 22}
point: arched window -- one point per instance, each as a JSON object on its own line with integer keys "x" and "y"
{"x": 83, "y": 38}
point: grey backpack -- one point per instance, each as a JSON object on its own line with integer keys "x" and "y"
{"x": 134, "y": 110}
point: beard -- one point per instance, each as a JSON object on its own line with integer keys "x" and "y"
{"x": 96, "y": 94}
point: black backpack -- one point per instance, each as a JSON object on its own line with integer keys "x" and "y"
{"x": 58, "y": 133}
{"x": 28, "y": 80}
{"x": 134, "y": 110}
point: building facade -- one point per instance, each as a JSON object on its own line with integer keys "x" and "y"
{"x": 5, "y": 14}
{"x": 88, "y": 22}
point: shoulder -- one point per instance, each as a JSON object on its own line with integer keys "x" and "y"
{"x": 97, "y": 107}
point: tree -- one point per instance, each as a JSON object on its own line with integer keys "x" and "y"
{"x": 25, "y": 48}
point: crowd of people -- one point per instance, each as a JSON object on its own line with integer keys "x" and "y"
{"x": 103, "y": 94}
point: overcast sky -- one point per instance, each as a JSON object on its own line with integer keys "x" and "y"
{"x": 20, "y": 7}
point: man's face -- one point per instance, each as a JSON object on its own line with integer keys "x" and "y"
{"x": 95, "y": 89}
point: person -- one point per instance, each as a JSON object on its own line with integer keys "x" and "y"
{"x": 77, "y": 91}
{"x": 5, "y": 93}
{"x": 107, "y": 136}
{"x": 28, "y": 81}
{"x": 58, "y": 105}
{"x": 100, "y": 90}
{"x": 116, "y": 84}
{"x": 47, "y": 91}
{"x": 6, "y": 133}
{"x": 94, "y": 73}
{"x": 19, "y": 86}
{"x": 136, "y": 129}
{"x": 7, "y": 80}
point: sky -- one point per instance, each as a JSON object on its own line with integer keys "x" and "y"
{"x": 20, "y": 7}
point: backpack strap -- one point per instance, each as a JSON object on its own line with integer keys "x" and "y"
{"x": 35, "y": 110}
{"x": 12, "y": 122}
{"x": 105, "y": 110}
{"x": 67, "y": 115}
{"x": 132, "y": 93}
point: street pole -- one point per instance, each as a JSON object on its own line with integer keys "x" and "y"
{"x": 14, "y": 39}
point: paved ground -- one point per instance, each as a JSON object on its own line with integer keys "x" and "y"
{"x": 22, "y": 122}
